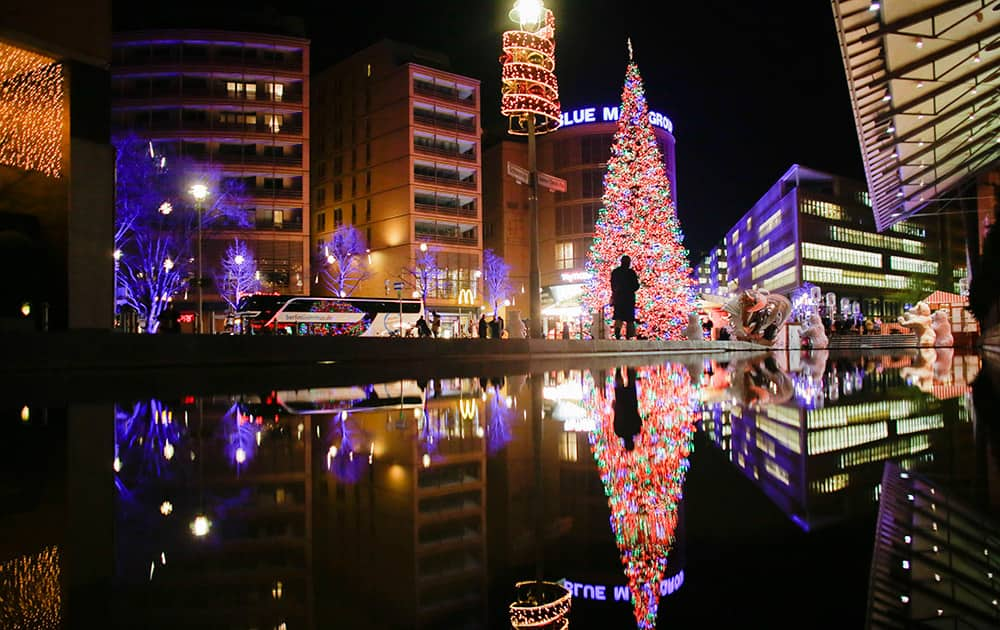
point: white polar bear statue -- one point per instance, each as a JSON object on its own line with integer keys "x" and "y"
{"x": 918, "y": 319}
{"x": 813, "y": 334}
{"x": 942, "y": 329}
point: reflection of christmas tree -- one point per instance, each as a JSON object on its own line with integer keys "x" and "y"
{"x": 639, "y": 219}
{"x": 643, "y": 485}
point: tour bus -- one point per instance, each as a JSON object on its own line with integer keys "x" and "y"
{"x": 299, "y": 315}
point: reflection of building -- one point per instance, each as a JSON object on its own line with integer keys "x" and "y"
{"x": 578, "y": 153}
{"x": 819, "y": 456}
{"x": 250, "y": 475}
{"x": 56, "y": 165}
{"x": 397, "y": 156}
{"x": 405, "y": 537}
{"x": 816, "y": 227}
{"x": 935, "y": 558}
{"x": 240, "y": 103}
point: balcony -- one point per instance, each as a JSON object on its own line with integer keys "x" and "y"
{"x": 448, "y": 240}
{"x": 286, "y": 129}
{"x": 445, "y": 151}
{"x": 136, "y": 57}
{"x": 289, "y": 97}
{"x": 444, "y": 122}
{"x": 446, "y": 180}
{"x": 232, "y": 159}
{"x": 444, "y": 93}
{"x": 454, "y": 211}
{"x": 260, "y": 192}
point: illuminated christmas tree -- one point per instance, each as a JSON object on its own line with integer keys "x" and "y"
{"x": 639, "y": 218}
{"x": 643, "y": 472}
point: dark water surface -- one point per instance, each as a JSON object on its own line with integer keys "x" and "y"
{"x": 664, "y": 492}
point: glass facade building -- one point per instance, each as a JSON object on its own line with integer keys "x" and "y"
{"x": 816, "y": 227}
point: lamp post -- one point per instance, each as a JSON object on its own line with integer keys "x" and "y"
{"x": 117, "y": 255}
{"x": 531, "y": 101}
{"x": 200, "y": 193}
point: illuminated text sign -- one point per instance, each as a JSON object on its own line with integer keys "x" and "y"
{"x": 609, "y": 114}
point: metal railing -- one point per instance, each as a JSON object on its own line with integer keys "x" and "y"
{"x": 443, "y": 93}
{"x": 455, "y": 211}
{"x": 444, "y": 122}
{"x": 445, "y": 180}
{"x": 442, "y": 151}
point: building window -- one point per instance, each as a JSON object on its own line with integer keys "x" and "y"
{"x": 592, "y": 184}
{"x": 368, "y": 236}
{"x": 238, "y": 89}
{"x": 875, "y": 241}
{"x": 275, "y": 91}
{"x": 321, "y": 195}
{"x": 273, "y": 122}
{"x": 321, "y": 222}
{"x": 769, "y": 224}
{"x": 338, "y": 165}
{"x": 913, "y": 265}
{"x": 841, "y": 255}
{"x": 338, "y": 190}
{"x": 338, "y": 217}
{"x": 823, "y": 209}
{"x": 279, "y": 218}
{"x": 910, "y": 229}
{"x": 780, "y": 259}
{"x": 321, "y": 170}
{"x": 761, "y": 250}
{"x": 368, "y": 181}
{"x": 368, "y": 210}
{"x": 564, "y": 255}
{"x": 354, "y": 214}
{"x": 368, "y": 70}
{"x": 354, "y": 186}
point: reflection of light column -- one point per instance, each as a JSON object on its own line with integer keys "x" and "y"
{"x": 531, "y": 100}
{"x": 114, "y": 307}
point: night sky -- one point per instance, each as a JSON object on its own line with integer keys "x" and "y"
{"x": 752, "y": 88}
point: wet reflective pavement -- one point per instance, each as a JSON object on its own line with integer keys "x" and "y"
{"x": 696, "y": 490}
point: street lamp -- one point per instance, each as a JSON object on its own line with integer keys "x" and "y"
{"x": 200, "y": 193}
{"x": 530, "y": 100}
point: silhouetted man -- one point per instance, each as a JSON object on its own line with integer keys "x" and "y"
{"x": 628, "y": 424}
{"x": 624, "y": 284}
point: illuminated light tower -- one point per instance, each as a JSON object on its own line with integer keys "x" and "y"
{"x": 200, "y": 193}
{"x": 530, "y": 99}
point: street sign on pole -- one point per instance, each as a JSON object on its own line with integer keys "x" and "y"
{"x": 551, "y": 182}
{"x": 519, "y": 173}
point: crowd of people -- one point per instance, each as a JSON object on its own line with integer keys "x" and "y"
{"x": 493, "y": 328}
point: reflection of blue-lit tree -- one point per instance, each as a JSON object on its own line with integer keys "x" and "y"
{"x": 499, "y": 416}
{"x": 241, "y": 436}
{"x": 146, "y": 438}
{"x": 343, "y": 458}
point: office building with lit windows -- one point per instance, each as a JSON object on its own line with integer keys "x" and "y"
{"x": 396, "y": 154}
{"x": 713, "y": 271}
{"x": 238, "y": 102}
{"x": 577, "y": 152}
{"x": 816, "y": 227}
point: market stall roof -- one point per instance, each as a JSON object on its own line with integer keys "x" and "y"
{"x": 943, "y": 297}
{"x": 923, "y": 77}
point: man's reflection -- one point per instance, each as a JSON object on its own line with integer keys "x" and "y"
{"x": 627, "y": 422}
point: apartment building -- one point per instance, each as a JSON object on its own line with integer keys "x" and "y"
{"x": 239, "y": 103}
{"x": 397, "y": 155}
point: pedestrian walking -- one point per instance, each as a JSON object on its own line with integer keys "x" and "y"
{"x": 436, "y": 324}
{"x": 624, "y": 284}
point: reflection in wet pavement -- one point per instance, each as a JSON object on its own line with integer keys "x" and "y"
{"x": 645, "y": 489}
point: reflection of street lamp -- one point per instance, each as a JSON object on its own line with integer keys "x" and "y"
{"x": 531, "y": 100}
{"x": 200, "y": 193}
{"x": 200, "y": 526}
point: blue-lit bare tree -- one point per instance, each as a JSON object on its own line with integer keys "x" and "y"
{"x": 496, "y": 279}
{"x": 423, "y": 274}
{"x": 342, "y": 263}
{"x": 238, "y": 275}
{"x": 156, "y": 222}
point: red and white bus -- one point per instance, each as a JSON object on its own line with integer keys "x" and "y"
{"x": 299, "y": 315}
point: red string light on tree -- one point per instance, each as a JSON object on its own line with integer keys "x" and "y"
{"x": 529, "y": 81}
{"x": 639, "y": 218}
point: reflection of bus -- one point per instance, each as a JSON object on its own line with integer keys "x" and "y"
{"x": 296, "y": 315}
